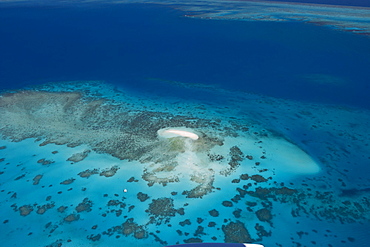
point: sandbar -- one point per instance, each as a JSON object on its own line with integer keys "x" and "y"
{"x": 185, "y": 132}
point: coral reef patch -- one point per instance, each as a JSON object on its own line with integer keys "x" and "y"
{"x": 73, "y": 159}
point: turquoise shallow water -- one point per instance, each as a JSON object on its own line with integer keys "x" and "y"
{"x": 277, "y": 172}
{"x": 281, "y": 111}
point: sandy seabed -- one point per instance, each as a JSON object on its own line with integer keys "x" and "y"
{"x": 84, "y": 164}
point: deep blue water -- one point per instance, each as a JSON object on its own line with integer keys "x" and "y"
{"x": 127, "y": 44}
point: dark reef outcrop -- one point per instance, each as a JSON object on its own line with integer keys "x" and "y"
{"x": 235, "y": 232}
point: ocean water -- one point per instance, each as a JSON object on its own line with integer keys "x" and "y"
{"x": 141, "y": 42}
{"x": 280, "y": 111}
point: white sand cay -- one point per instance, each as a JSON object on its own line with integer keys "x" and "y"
{"x": 175, "y": 132}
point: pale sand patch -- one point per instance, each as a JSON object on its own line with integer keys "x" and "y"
{"x": 175, "y": 132}
{"x": 288, "y": 157}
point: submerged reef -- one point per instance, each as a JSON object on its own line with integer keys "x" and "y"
{"x": 69, "y": 118}
{"x": 235, "y": 232}
{"x": 73, "y": 119}
{"x": 114, "y": 167}
{"x": 353, "y": 19}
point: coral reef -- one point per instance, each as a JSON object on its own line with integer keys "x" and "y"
{"x": 142, "y": 196}
{"x": 36, "y": 179}
{"x": 110, "y": 172}
{"x": 25, "y": 210}
{"x": 72, "y": 217}
{"x": 68, "y": 181}
{"x": 71, "y": 118}
{"x": 214, "y": 213}
{"x": 87, "y": 173}
{"x": 222, "y": 186}
{"x": 129, "y": 227}
{"x": 235, "y": 232}
{"x": 45, "y": 162}
{"x": 162, "y": 207}
{"x": 42, "y": 209}
{"x": 77, "y": 157}
{"x": 85, "y": 205}
{"x": 264, "y": 215}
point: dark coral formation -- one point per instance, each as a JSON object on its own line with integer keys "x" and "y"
{"x": 85, "y": 205}
{"x": 129, "y": 227}
{"x": 94, "y": 238}
{"x": 117, "y": 206}
{"x": 68, "y": 181}
{"x": 199, "y": 231}
{"x": 185, "y": 222}
{"x": 77, "y": 157}
{"x": 211, "y": 224}
{"x": 200, "y": 190}
{"x": 25, "y": 210}
{"x": 258, "y": 178}
{"x": 237, "y": 213}
{"x": 116, "y": 203}
{"x": 109, "y": 172}
{"x": 152, "y": 178}
{"x": 36, "y": 179}
{"x": 215, "y": 157}
{"x": 132, "y": 179}
{"x": 162, "y": 207}
{"x": 19, "y": 177}
{"x": 193, "y": 240}
{"x": 235, "y": 232}
{"x": 61, "y": 209}
{"x": 236, "y": 157}
{"x": 158, "y": 239}
{"x": 227, "y": 204}
{"x": 264, "y": 215}
{"x": 214, "y": 213}
{"x": 265, "y": 193}
{"x": 72, "y": 217}
{"x": 45, "y": 162}
{"x": 142, "y": 196}
{"x": 87, "y": 173}
{"x": 261, "y": 232}
{"x": 343, "y": 212}
{"x": 42, "y": 209}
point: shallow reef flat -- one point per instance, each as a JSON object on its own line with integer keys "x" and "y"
{"x": 355, "y": 19}
{"x": 345, "y": 18}
{"x": 86, "y": 163}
